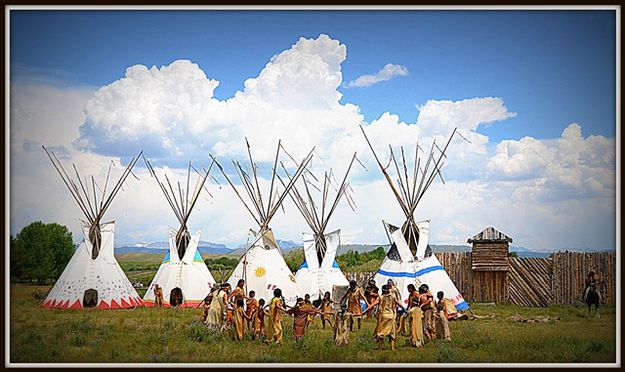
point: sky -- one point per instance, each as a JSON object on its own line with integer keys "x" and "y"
{"x": 533, "y": 91}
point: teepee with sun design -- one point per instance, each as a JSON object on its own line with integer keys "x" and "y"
{"x": 262, "y": 266}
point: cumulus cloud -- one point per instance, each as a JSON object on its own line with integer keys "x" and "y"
{"x": 567, "y": 167}
{"x": 525, "y": 187}
{"x": 388, "y": 72}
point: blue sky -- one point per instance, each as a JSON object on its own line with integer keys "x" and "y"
{"x": 551, "y": 67}
{"x": 534, "y": 91}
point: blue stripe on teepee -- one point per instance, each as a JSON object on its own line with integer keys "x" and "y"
{"x": 166, "y": 259}
{"x": 462, "y": 305}
{"x": 429, "y": 270}
{"x": 397, "y": 274}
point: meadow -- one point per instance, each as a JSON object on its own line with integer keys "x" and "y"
{"x": 166, "y": 335}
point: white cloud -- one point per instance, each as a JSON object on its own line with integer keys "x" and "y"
{"x": 388, "y": 72}
{"x": 534, "y": 190}
{"x": 568, "y": 167}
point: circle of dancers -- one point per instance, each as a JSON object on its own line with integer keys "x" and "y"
{"x": 421, "y": 319}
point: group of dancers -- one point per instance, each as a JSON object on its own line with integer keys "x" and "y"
{"x": 427, "y": 317}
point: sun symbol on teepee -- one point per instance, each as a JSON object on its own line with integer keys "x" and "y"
{"x": 260, "y": 271}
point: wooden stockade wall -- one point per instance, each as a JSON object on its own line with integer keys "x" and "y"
{"x": 532, "y": 282}
{"x": 570, "y": 270}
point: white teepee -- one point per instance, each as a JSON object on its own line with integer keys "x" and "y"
{"x": 404, "y": 269}
{"x": 315, "y": 278}
{"x": 320, "y": 273}
{"x": 398, "y": 265}
{"x": 410, "y": 259}
{"x": 189, "y": 274}
{"x": 93, "y": 278}
{"x": 262, "y": 265}
{"x": 264, "y": 270}
{"x": 183, "y": 269}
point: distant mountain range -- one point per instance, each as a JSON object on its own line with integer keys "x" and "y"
{"x": 288, "y": 245}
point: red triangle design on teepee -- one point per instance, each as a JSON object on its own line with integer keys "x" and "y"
{"x": 76, "y": 305}
{"x": 125, "y": 304}
{"x": 140, "y": 302}
{"x": 46, "y": 303}
{"x": 65, "y": 304}
{"x": 114, "y": 305}
{"x": 103, "y": 305}
{"x": 53, "y": 304}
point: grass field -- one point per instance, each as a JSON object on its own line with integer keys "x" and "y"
{"x": 165, "y": 335}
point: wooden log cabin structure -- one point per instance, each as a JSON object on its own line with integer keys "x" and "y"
{"x": 490, "y": 265}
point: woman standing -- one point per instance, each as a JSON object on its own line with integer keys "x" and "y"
{"x": 386, "y": 327}
{"x": 276, "y": 311}
{"x": 415, "y": 314}
{"x": 217, "y": 310}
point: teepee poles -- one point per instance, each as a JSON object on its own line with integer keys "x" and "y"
{"x": 409, "y": 197}
{"x": 183, "y": 206}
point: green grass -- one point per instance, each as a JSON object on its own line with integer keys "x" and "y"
{"x": 174, "y": 335}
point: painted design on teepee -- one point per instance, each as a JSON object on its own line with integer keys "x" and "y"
{"x": 263, "y": 250}
{"x": 410, "y": 259}
{"x": 93, "y": 277}
{"x": 260, "y": 272}
{"x": 183, "y": 271}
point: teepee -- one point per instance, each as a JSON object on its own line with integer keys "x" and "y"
{"x": 93, "y": 278}
{"x": 183, "y": 273}
{"x": 410, "y": 258}
{"x": 262, "y": 266}
{"x": 319, "y": 272}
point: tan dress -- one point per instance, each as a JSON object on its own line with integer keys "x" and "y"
{"x": 353, "y": 302}
{"x": 428, "y": 313}
{"x": 158, "y": 296}
{"x": 341, "y": 328}
{"x": 442, "y": 325}
{"x": 416, "y": 327}
{"x": 275, "y": 320}
{"x": 239, "y": 323}
{"x": 215, "y": 318}
{"x": 326, "y": 309}
{"x": 386, "y": 317}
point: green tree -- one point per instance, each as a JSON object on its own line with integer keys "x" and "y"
{"x": 41, "y": 251}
